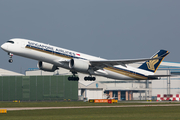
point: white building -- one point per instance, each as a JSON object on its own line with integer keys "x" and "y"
{"x": 4, "y": 72}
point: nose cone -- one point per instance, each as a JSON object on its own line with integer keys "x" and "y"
{"x": 4, "y": 46}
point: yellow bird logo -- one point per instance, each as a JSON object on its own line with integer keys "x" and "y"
{"x": 152, "y": 63}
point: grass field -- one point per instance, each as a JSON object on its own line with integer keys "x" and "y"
{"x": 76, "y": 103}
{"x": 130, "y": 113}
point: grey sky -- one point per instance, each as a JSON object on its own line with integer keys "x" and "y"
{"x": 111, "y": 29}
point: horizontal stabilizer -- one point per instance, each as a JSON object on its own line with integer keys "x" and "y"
{"x": 157, "y": 76}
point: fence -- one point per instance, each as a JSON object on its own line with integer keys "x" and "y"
{"x": 37, "y": 88}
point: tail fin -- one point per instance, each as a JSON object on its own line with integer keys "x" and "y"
{"x": 152, "y": 65}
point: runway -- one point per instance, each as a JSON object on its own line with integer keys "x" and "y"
{"x": 78, "y": 107}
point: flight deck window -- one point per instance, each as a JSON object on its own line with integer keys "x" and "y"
{"x": 11, "y": 42}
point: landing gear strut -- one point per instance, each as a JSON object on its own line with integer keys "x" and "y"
{"x": 10, "y": 56}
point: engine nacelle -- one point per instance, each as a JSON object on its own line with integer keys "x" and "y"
{"x": 79, "y": 65}
{"x": 47, "y": 66}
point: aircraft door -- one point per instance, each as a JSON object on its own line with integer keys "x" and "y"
{"x": 23, "y": 44}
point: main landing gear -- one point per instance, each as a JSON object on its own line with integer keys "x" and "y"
{"x": 10, "y": 56}
{"x": 89, "y": 78}
{"x": 73, "y": 78}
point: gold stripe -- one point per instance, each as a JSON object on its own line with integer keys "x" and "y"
{"x": 126, "y": 73}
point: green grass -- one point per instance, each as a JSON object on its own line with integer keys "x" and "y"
{"x": 130, "y": 113}
{"x": 135, "y": 113}
{"x": 68, "y": 104}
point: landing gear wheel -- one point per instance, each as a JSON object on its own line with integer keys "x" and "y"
{"x": 10, "y": 60}
{"x": 89, "y": 78}
{"x": 10, "y": 56}
{"x": 73, "y": 78}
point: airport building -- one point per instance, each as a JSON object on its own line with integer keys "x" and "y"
{"x": 15, "y": 86}
{"x": 4, "y": 72}
{"x": 104, "y": 88}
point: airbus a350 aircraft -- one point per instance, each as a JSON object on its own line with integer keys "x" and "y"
{"x": 51, "y": 57}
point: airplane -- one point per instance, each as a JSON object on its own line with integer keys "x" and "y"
{"x": 50, "y": 58}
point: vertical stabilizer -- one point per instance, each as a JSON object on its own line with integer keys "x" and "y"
{"x": 152, "y": 65}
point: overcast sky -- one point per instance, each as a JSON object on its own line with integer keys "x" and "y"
{"x": 111, "y": 29}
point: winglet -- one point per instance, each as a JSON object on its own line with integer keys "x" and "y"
{"x": 152, "y": 65}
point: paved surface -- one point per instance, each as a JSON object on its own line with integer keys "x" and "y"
{"x": 46, "y": 108}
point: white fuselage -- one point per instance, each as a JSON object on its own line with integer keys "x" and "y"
{"x": 54, "y": 55}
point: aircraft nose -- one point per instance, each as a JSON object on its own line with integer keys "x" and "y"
{"x": 4, "y": 46}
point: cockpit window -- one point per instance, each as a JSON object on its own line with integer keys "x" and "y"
{"x": 11, "y": 42}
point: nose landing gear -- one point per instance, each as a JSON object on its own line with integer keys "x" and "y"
{"x": 10, "y": 56}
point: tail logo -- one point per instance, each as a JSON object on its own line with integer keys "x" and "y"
{"x": 152, "y": 63}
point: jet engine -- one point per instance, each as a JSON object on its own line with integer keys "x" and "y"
{"x": 79, "y": 65}
{"x": 46, "y": 66}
